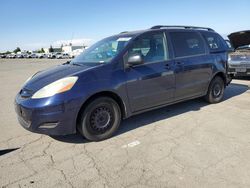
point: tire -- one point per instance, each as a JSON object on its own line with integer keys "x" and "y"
{"x": 215, "y": 91}
{"x": 100, "y": 119}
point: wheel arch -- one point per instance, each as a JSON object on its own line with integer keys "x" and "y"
{"x": 222, "y": 75}
{"x": 110, "y": 94}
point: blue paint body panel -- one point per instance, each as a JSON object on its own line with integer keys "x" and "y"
{"x": 140, "y": 88}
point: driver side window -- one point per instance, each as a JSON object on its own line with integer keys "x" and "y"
{"x": 151, "y": 47}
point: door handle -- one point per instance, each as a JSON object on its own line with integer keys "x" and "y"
{"x": 179, "y": 63}
{"x": 167, "y": 66}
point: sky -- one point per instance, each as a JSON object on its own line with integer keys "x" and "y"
{"x": 32, "y": 24}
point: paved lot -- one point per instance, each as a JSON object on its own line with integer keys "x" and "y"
{"x": 191, "y": 144}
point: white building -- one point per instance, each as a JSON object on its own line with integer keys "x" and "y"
{"x": 70, "y": 48}
{"x": 55, "y": 49}
{"x": 46, "y": 50}
{"x": 76, "y": 52}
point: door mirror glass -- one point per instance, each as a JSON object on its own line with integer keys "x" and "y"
{"x": 135, "y": 59}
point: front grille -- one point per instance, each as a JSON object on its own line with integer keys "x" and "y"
{"x": 233, "y": 70}
{"x": 240, "y": 65}
{"x": 23, "y": 115}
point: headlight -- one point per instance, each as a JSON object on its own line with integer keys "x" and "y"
{"x": 59, "y": 86}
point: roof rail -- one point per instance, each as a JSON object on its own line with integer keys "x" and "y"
{"x": 123, "y": 32}
{"x": 180, "y": 26}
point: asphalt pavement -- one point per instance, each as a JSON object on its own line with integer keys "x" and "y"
{"x": 191, "y": 144}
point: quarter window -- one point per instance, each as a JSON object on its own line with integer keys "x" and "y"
{"x": 187, "y": 44}
{"x": 214, "y": 42}
{"x": 151, "y": 47}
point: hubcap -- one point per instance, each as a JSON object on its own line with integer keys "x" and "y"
{"x": 100, "y": 119}
{"x": 217, "y": 90}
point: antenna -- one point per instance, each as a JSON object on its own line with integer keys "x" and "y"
{"x": 72, "y": 36}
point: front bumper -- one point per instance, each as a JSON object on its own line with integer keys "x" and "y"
{"x": 47, "y": 116}
{"x": 239, "y": 71}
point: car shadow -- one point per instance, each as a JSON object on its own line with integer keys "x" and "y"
{"x": 242, "y": 78}
{"x": 5, "y": 151}
{"x": 164, "y": 113}
{"x": 71, "y": 138}
{"x": 234, "y": 90}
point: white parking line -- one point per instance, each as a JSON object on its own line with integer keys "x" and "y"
{"x": 131, "y": 144}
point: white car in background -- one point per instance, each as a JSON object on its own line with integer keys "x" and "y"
{"x": 3, "y": 56}
{"x": 11, "y": 56}
{"x": 20, "y": 56}
{"x": 54, "y": 55}
{"x": 41, "y": 55}
{"x": 76, "y": 52}
{"x": 32, "y": 55}
{"x": 62, "y": 56}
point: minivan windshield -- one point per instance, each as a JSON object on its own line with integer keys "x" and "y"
{"x": 103, "y": 51}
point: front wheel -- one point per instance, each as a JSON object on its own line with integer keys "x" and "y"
{"x": 215, "y": 91}
{"x": 100, "y": 119}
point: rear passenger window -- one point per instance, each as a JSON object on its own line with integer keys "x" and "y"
{"x": 187, "y": 44}
{"x": 215, "y": 42}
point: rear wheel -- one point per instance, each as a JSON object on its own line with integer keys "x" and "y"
{"x": 100, "y": 119}
{"x": 215, "y": 91}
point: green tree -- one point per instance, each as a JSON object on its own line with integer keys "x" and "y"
{"x": 42, "y": 51}
{"x": 51, "y": 49}
{"x": 17, "y": 50}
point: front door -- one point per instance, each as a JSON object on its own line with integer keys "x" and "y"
{"x": 152, "y": 83}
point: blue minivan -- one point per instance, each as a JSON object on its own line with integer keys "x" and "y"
{"x": 123, "y": 75}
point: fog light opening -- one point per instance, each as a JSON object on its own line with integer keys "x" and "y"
{"x": 49, "y": 125}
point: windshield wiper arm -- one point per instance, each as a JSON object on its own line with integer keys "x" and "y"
{"x": 76, "y": 64}
{"x": 66, "y": 63}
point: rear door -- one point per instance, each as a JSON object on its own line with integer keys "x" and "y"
{"x": 218, "y": 50}
{"x": 193, "y": 66}
{"x": 152, "y": 83}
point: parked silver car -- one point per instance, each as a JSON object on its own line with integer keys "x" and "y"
{"x": 62, "y": 56}
{"x": 3, "y": 56}
{"x": 20, "y": 56}
{"x": 11, "y": 56}
{"x": 41, "y": 55}
{"x": 32, "y": 55}
{"x": 239, "y": 59}
{"x": 54, "y": 55}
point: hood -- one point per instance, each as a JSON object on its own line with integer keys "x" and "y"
{"x": 48, "y": 76}
{"x": 240, "y": 38}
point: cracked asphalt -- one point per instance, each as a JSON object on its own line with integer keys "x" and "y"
{"x": 191, "y": 144}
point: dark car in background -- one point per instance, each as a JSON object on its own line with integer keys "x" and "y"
{"x": 123, "y": 75}
{"x": 239, "y": 59}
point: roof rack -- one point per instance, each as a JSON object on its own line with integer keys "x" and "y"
{"x": 123, "y": 32}
{"x": 180, "y": 26}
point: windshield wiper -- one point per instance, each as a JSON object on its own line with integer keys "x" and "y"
{"x": 76, "y": 64}
{"x": 66, "y": 63}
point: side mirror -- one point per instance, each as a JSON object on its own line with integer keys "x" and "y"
{"x": 135, "y": 60}
{"x": 230, "y": 50}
